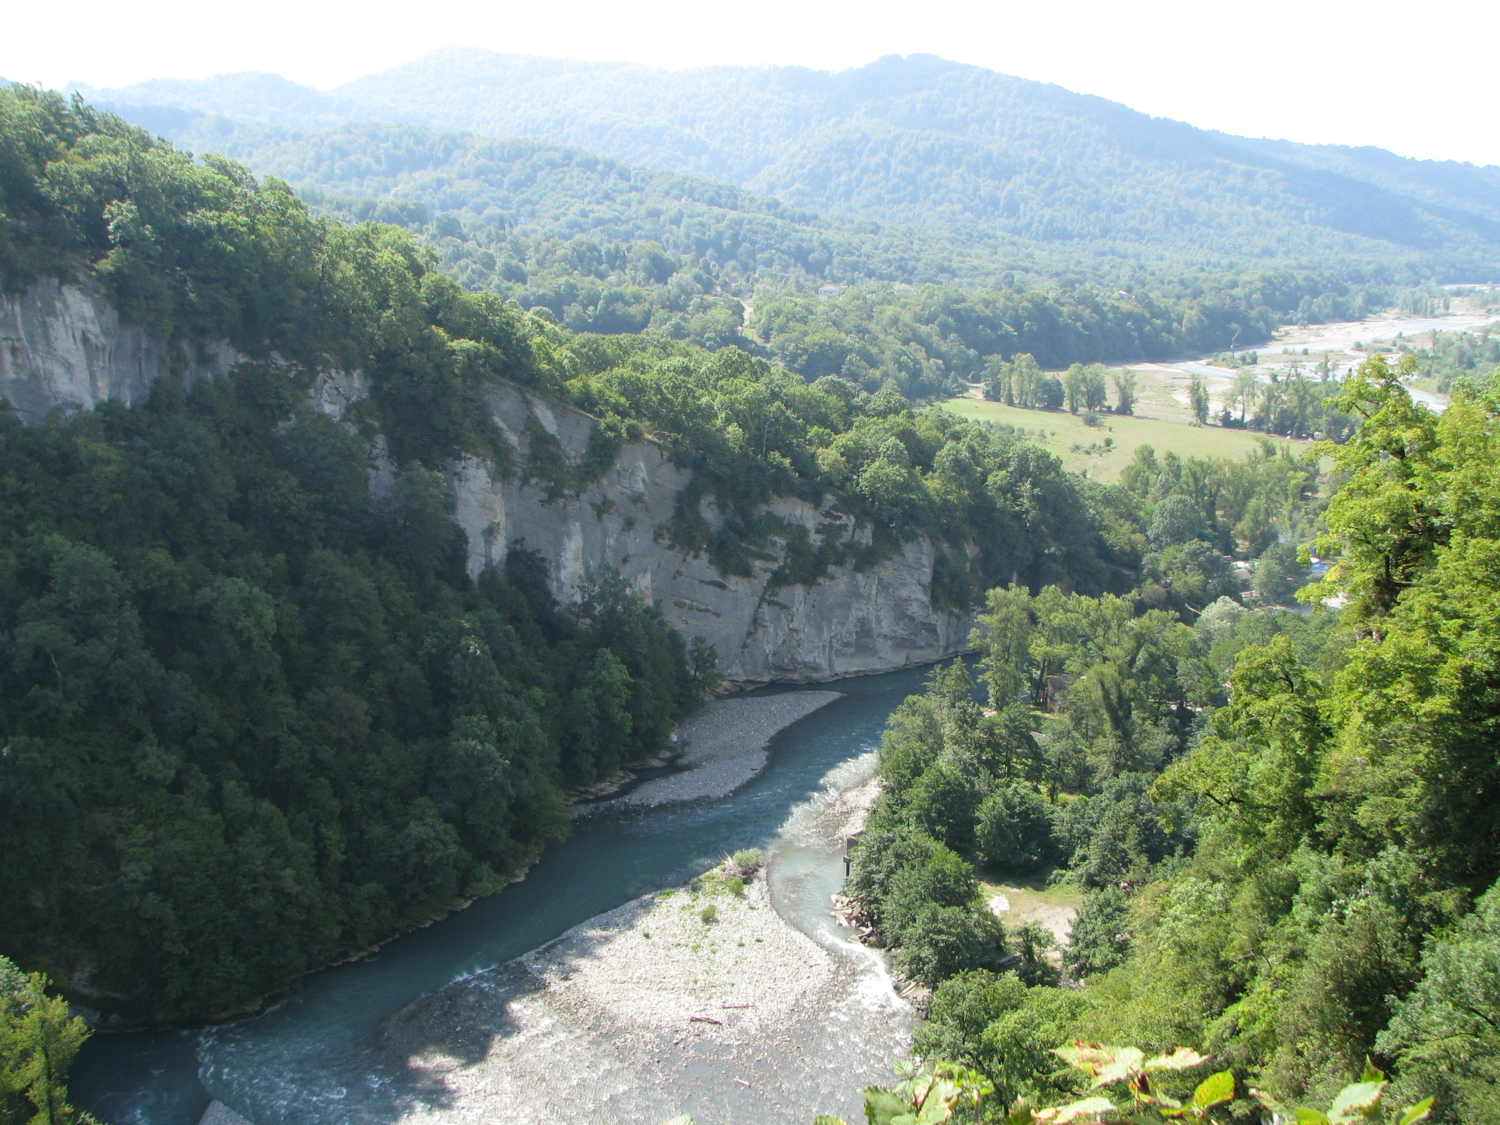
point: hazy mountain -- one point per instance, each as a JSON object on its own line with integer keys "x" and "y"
{"x": 923, "y": 139}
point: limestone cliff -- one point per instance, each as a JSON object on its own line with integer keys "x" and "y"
{"x": 62, "y": 345}
{"x": 851, "y": 622}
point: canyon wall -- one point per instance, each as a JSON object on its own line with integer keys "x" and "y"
{"x": 63, "y": 346}
{"x": 850, "y": 622}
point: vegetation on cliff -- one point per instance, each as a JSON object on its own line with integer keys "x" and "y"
{"x": 256, "y": 716}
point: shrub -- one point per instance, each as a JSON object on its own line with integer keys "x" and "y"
{"x": 748, "y": 860}
{"x": 708, "y": 913}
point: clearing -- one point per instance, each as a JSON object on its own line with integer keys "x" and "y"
{"x": 1082, "y": 448}
{"x": 1018, "y": 899}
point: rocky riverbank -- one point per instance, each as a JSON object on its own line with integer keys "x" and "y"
{"x": 701, "y": 999}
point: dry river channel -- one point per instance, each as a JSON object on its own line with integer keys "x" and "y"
{"x": 583, "y": 994}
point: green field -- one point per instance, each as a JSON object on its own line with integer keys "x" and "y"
{"x": 1082, "y": 449}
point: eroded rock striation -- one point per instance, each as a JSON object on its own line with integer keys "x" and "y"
{"x": 852, "y": 621}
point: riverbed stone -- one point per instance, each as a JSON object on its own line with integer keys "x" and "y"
{"x": 218, "y": 1113}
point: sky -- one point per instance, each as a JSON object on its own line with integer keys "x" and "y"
{"x": 1416, "y": 81}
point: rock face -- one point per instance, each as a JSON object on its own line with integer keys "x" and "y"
{"x": 851, "y": 622}
{"x": 62, "y": 345}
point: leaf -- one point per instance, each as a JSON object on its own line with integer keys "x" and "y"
{"x": 882, "y": 1106}
{"x": 1309, "y": 1117}
{"x": 1179, "y": 1058}
{"x": 681, "y": 1119}
{"x": 1127, "y": 1063}
{"x": 1213, "y": 1090}
{"x": 1353, "y": 1100}
{"x": 1086, "y": 1056}
{"x": 1416, "y": 1113}
{"x": 828, "y": 1119}
{"x": 1089, "y": 1107}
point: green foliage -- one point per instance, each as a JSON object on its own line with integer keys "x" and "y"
{"x": 256, "y": 720}
{"x": 1444, "y": 1036}
{"x": 198, "y": 251}
{"x": 1278, "y": 574}
{"x": 1145, "y": 1079}
{"x": 1448, "y": 357}
{"x": 1339, "y": 797}
{"x": 928, "y": 1095}
{"x": 750, "y": 432}
{"x": 605, "y": 247}
{"x": 748, "y": 859}
{"x": 1283, "y": 817}
{"x": 38, "y": 1039}
{"x": 928, "y": 339}
{"x": 1014, "y": 828}
{"x": 1101, "y": 933}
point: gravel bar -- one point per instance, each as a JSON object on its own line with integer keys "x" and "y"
{"x": 726, "y": 744}
{"x": 653, "y": 1009}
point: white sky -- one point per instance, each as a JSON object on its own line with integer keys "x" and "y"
{"x": 1374, "y": 72}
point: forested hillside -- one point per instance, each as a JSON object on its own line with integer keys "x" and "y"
{"x": 611, "y": 248}
{"x": 921, "y": 139}
{"x": 254, "y": 717}
{"x": 1286, "y": 823}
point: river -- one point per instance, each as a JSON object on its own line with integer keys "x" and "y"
{"x": 284, "y": 1066}
{"x": 1305, "y": 347}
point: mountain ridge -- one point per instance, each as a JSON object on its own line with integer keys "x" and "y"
{"x": 921, "y": 139}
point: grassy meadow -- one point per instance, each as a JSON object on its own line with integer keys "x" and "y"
{"x": 1160, "y": 421}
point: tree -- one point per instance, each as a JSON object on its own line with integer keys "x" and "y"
{"x": 1095, "y": 390}
{"x": 939, "y": 941}
{"x": 1073, "y": 384}
{"x": 1198, "y": 399}
{"x": 1026, "y": 378}
{"x": 1243, "y": 392}
{"x": 1125, "y": 392}
{"x": 1177, "y": 519}
{"x": 1277, "y": 573}
{"x": 1013, "y": 829}
{"x": 1445, "y": 1036}
{"x": 38, "y": 1039}
{"x": 1100, "y": 938}
{"x": 1007, "y": 626}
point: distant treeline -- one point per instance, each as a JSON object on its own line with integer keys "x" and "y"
{"x": 615, "y": 249}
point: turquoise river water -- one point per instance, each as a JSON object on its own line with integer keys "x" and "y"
{"x": 283, "y": 1067}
